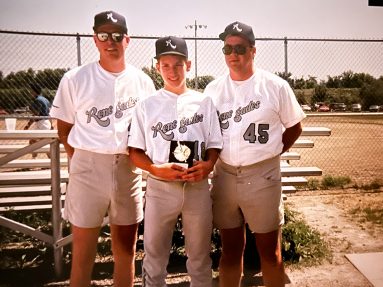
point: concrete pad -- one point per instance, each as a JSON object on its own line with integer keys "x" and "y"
{"x": 370, "y": 265}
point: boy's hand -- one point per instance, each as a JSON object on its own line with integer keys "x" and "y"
{"x": 198, "y": 171}
{"x": 168, "y": 171}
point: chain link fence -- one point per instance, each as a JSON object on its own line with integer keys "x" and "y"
{"x": 354, "y": 149}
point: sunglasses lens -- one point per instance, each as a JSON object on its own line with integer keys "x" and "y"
{"x": 117, "y": 37}
{"x": 102, "y": 36}
{"x": 238, "y": 49}
{"x": 227, "y": 49}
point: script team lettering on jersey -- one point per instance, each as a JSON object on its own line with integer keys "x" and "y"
{"x": 101, "y": 116}
{"x": 122, "y": 106}
{"x": 196, "y": 118}
{"x": 225, "y": 116}
{"x": 163, "y": 129}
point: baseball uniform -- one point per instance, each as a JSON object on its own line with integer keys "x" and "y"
{"x": 99, "y": 104}
{"x": 253, "y": 115}
{"x": 157, "y": 122}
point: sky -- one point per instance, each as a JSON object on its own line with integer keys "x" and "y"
{"x": 318, "y": 19}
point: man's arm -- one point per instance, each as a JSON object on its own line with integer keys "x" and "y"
{"x": 63, "y": 129}
{"x": 290, "y": 136}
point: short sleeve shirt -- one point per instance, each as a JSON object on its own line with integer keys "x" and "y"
{"x": 99, "y": 104}
{"x": 253, "y": 115}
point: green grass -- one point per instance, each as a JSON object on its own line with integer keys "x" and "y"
{"x": 369, "y": 214}
{"x": 329, "y": 181}
{"x": 301, "y": 243}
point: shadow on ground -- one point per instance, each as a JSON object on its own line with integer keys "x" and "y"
{"x": 43, "y": 275}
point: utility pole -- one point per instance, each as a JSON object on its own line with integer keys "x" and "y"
{"x": 195, "y": 27}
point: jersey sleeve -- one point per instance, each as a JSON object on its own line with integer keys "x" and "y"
{"x": 136, "y": 137}
{"x": 215, "y": 135}
{"x": 63, "y": 104}
{"x": 291, "y": 112}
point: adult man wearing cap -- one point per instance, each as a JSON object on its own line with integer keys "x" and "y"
{"x": 176, "y": 137}
{"x": 93, "y": 107}
{"x": 260, "y": 119}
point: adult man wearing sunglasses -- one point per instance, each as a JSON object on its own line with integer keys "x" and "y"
{"x": 260, "y": 119}
{"x": 93, "y": 107}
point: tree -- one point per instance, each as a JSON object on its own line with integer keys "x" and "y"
{"x": 287, "y": 77}
{"x": 372, "y": 93}
{"x": 333, "y": 82}
{"x": 320, "y": 94}
{"x": 49, "y": 78}
{"x": 311, "y": 82}
{"x": 155, "y": 76}
{"x": 203, "y": 81}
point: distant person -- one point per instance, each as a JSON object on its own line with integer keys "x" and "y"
{"x": 40, "y": 108}
{"x": 260, "y": 119}
{"x": 176, "y": 137}
{"x": 93, "y": 107}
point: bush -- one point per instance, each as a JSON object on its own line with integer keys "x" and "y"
{"x": 335, "y": 181}
{"x": 300, "y": 243}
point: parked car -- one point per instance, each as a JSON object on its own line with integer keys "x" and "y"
{"x": 306, "y": 108}
{"x": 324, "y": 108}
{"x": 356, "y": 107}
{"x": 373, "y": 108}
{"x": 338, "y": 107}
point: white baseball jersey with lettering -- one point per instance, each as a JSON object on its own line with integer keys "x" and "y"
{"x": 100, "y": 104}
{"x": 165, "y": 117}
{"x": 253, "y": 115}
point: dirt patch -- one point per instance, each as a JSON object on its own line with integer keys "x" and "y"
{"x": 333, "y": 214}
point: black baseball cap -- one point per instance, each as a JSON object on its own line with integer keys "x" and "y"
{"x": 110, "y": 17}
{"x": 171, "y": 45}
{"x": 240, "y": 29}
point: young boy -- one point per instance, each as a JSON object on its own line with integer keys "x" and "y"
{"x": 176, "y": 137}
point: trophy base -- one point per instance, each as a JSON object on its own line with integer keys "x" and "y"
{"x": 184, "y": 165}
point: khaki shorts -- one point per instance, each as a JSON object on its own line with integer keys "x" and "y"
{"x": 249, "y": 194}
{"x": 100, "y": 185}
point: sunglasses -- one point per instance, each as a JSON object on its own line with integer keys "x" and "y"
{"x": 116, "y": 36}
{"x": 238, "y": 49}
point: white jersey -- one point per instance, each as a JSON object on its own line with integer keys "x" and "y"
{"x": 253, "y": 115}
{"x": 165, "y": 117}
{"x": 99, "y": 104}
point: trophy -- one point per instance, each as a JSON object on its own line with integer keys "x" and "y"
{"x": 182, "y": 153}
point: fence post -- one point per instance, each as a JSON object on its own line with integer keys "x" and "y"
{"x": 78, "y": 40}
{"x": 286, "y": 62}
{"x": 56, "y": 207}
